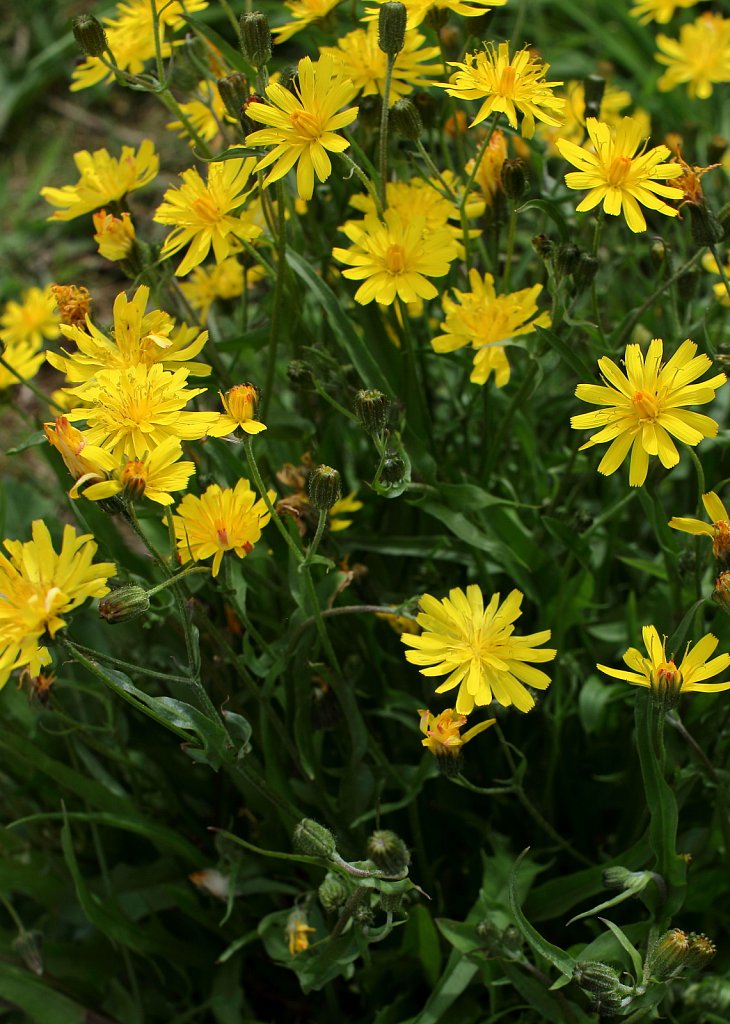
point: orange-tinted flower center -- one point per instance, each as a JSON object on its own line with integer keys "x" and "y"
{"x": 207, "y": 209}
{"x": 646, "y": 405}
{"x": 721, "y": 541}
{"x": 618, "y": 171}
{"x": 668, "y": 676}
{"x": 507, "y": 82}
{"x": 222, "y": 533}
{"x": 306, "y": 124}
{"x": 241, "y": 402}
{"x": 134, "y": 478}
{"x": 395, "y": 259}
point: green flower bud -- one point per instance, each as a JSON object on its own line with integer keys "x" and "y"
{"x": 363, "y": 914}
{"x": 593, "y": 89}
{"x": 406, "y": 120}
{"x": 701, "y": 950}
{"x": 333, "y": 892}
{"x": 705, "y": 226}
{"x": 189, "y": 63}
{"x": 256, "y": 39}
{"x": 300, "y": 376}
{"x": 543, "y": 247}
{"x": 388, "y": 852}
{"x": 585, "y": 272}
{"x": 621, "y": 878}
{"x": 392, "y": 27}
{"x": 313, "y": 839}
{"x": 233, "y": 91}
{"x": 596, "y": 978}
{"x": 324, "y": 488}
{"x": 248, "y": 125}
{"x": 124, "y": 603}
{"x": 372, "y": 408}
{"x": 566, "y": 258}
{"x": 394, "y": 468}
{"x": 669, "y": 955}
{"x": 513, "y": 179}
{"x": 659, "y": 253}
{"x": 90, "y": 35}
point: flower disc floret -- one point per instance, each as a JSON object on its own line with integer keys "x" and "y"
{"x": 103, "y": 179}
{"x": 477, "y": 649}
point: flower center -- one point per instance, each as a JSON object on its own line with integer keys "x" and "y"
{"x": 306, "y": 124}
{"x": 134, "y": 479}
{"x": 721, "y": 540}
{"x": 507, "y": 82}
{"x": 222, "y": 532}
{"x": 395, "y": 259}
{"x": 241, "y": 402}
{"x": 646, "y": 405}
{"x": 206, "y": 209}
{"x": 618, "y": 171}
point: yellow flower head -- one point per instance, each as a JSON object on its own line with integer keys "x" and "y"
{"x": 138, "y": 339}
{"x": 240, "y": 404}
{"x": 206, "y": 113}
{"x": 644, "y": 405}
{"x": 718, "y": 529}
{"x": 133, "y": 410}
{"x": 304, "y": 13}
{"x": 700, "y": 57}
{"x": 209, "y": 214}
{"x": 30, "y": 320}
{"x": 298, "y": 932}
{"x": 83, "y": 461}
{"x": 396, "y": 257}
{"x": 710, "y": 264}
{"x": 103, "y": 179}
{"x": 443, "y": 732}
{"x": 37, "y": 587}
{"x": 219, "y": 521}
{"x": 660, "y": 11}
{"x": 221, "y": 281}
{"x": 419, "y": 9}
{"x": 115, "y": 236}
{"x": 482, "y": 319}
{"x": 488, "y": 177}
{"x": 303, "y": 124}
{"x": 617, "y": 176}
{"x": 508, "y": 87}
{"x": 477, "y": 649}
{"x": 74, "y": 304}
{"x": 341, "y": 509}
{"x": 365, "y": 63}
{"x": 153, "y": 476}
{"x": 24, "y": 359}
{"x": 660, "y": 674}
{"x": 613, "y": 102}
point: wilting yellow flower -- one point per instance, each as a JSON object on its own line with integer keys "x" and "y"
{"x": 74, "y": 304}
{"x": 304, "y": 13}
{"x": 710, "y": 264}
{"x": 443, "y": 732}
{"x": 365, "y": 63}
{"x": 25, "y": 358}
{"x": 114, "y": 235}
{"x": 206, "y": 113}
{"x": 718, "y": 528}
{"x": 481, "y": 318}
{"x": 644, "y": 406}
{"x": 660, "y": 674}
{"x": 341, "y": 508}
{"x": 618, "y": 177}
{"x": 153, "y": 476}
{"x": 613, "y": 102}
{"x": 240, "y": 404}
{"x": 303, "y": 124}
{"x": 699, "y": 59}
{"x": 138, "y": 339}
{"x": 133, "y": 410}
{"x": 418, "y": 9}
{"x": 661, "y": 11}
{"x": 37, "y": 587}
{"x": 221, "y": 281}
{"x": 477, "y": 649}
{"x": 30, "y": 320}
{"x": 298, "y": 932}
{"x": 83, "y": 461}
{"x": 220, "y": 521}
{"x": 103, "y": 179}
{"x": 507, "y": 86}
{"x": 395, "y": 257}
{"x": 206, "y": 215}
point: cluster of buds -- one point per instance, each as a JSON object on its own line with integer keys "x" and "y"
{"x": 675, "y": 952}
{"x": 566, "y": 260}
{"x": 603, "y": 986}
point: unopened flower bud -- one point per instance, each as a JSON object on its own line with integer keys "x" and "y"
{"x": 324, "y": 488}
{"x": 247, "y": 123}
{"x": 620, "y": 878}
{"x": 659, "y": 252}
{"x": 333, "y": 892}
{"x": 372, "y": 408}
{"x": 566, "y": 258}
{"x": 701, "y": 950}
{"x": 90, "y": 35}
{"x": 596, "y": 978}
{"x": 190, "y": 62}
{"x": 406, "y": 120}
{"x": 313, "y": 839}
{"x": 256, "y": 39}
{"x": 669, "y": 955}
{"x": 543, "y": 246}
{"x": 394, "y": 468}
{"x": 513, "y": 179}
{"x": 705, "y": 227}
{"x": 593, "y": 89}
{"x": 363, "y": 914}
{"x": 388, "y": 852}
{"x": 124, "y": 603}
{"x": 233, "y": 91}
{"x": 392, "y": 27}
{"x": 300, "y": 375}
{"x": 585, "y": 272}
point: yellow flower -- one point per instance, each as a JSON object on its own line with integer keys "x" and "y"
{"x": 477, "y": 649}
{"x": 341, "y": 508}
{"x": 103, "y": 179}
{"x": 614, "y": 100}
{"x": 443, "y": 732}
{"x": 710, "y": 264}
{"x": 395, "y": 257}
{"x": 114, "y": 235}
{"x": 137, "y": 339}
{"x": 365, "y": 63}
{"x": 30, "y": 320}
{"x": 481, "y": 318}
{"x": 219, "y": 521}
{"x": 418, "y": 9}
{"x": 661, "y": 11}
{"x": 661, "y": 676}
{"x": 83, "y": 461}
{"x": 153, "y": 476}
{"x": 699, "y": 58}
{"x": 221, "y": 281}
{"x": 208, "y": 215}
{"x": 206, "y": 113}
{"x": 298, "y": 932}
{"x": 644, "y": 406}
{"x": 488, "y": 177}
{"x": 37, "y": 587}
{"x": 718, "y": 528}
{"x": 74, "y": 304}
{"x": 240, "y": 404}
{"x": 399, "y": 623}
{"x": 618, "y": 177}
{"x": 304, "y": 13}
{"x": 131, "y": 411}
{"x": 507, "y": 86}
{"x": 25, "y": 358}
{"x": 303, "y": 123}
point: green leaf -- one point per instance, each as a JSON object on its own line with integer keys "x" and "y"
{"x": 580, "y": 366}
{"x": 560, "y": 959}
{"x": 636, "y": 961}
{"x": 456, "y": 978}
{"x": 552, "y": 210}
{"x": 39, "y": 1003}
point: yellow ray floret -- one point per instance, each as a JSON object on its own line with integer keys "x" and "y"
{"x": 103, "y": 179}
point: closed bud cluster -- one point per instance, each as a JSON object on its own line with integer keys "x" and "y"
{"x": 394, "y": 468}
{"x": 90, "y": 35}
{"x": 332, "y": 892}
{"x": 513, "y": 179}
{"x": 596, "y": 978}
{"x": 669, "y": 955}
{"x": 701, "y": 950}
{"x": 543, "y": 246}
{"x": 566, "y": 258}
{"x": 392, "y": 27}
{"x": 372, "y": 408}
{"x": 388, "y": 852}
{"x": 406, "y": 120}
{"x": 124, "y": 603}
{"x": 313, "y": 839}
{"x": 256, "y": 39}
{"x": 233, "y": 91}
{"x": 324, "y": 488}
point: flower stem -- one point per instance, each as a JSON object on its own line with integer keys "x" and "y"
{"x": 511, "y": 230}
{"x": 261, "y": 488}
{"x": 46, "y": 399}
{"x": 371, "y": 190}
{"x": 383, "y": 151}
{"x": 321, "y": 524}
{"x": 278, "y": 294}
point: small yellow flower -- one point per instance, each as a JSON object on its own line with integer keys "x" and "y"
{"x": 443, "y": 732}
{"x": 613, "y": 102}
{"x": 154, "y": 476}
{"x": 30, "y": 320}
{"x": 661, "y": 676}
{"x": 206, "y": 215}
{"x": 643, "y": 406}
{"x": 718, "y": 528}
{"x": 399, "y": 623}
{"x": 74, "y": 304}
{"x": 660, "y": 11}
{"x": 699, "y": 59}
{"x": 396, "y": 257}
{"x": 710, "y": 265}
{"x": 219, "y": 521}
{"x": 617, "y": 176}
{"x": 303, "y": 124}
{"x": 103, "y": 179}
{"x": 482, "y": 319}
{"x": 83, "y": 460}
{"x": 297, "y": 933}
{"x": 25, "y": 360}
{"x": 342, "y": 508}
{"x": 477, "y": 649}
{"x": 115, "y": 236}
{"x": 240, "y": 404}
{"x": 304, "y": 12}
{"x": 419, "y": 9}
{"x": 508, "y": 87}
{"x": 37, "y": 587}
{"x": 221, "y": 281}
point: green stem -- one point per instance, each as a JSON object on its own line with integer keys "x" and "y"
{"x": 254, "y": 470}
{"x": 385, "y": 111}
{"x": 371, "y": 190}
{"x": 321, "y": 524}
{"x": 701, "y": 485}
{"x": 634, "y": 319}
{"x": 511, "y": 230}
{"x": 721, "y": 269}
{"x": 46, "y": 399}
{"x": 278, "y": 294}
{"x": 319, "y": 622}
{"x": 600, "y": 221}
